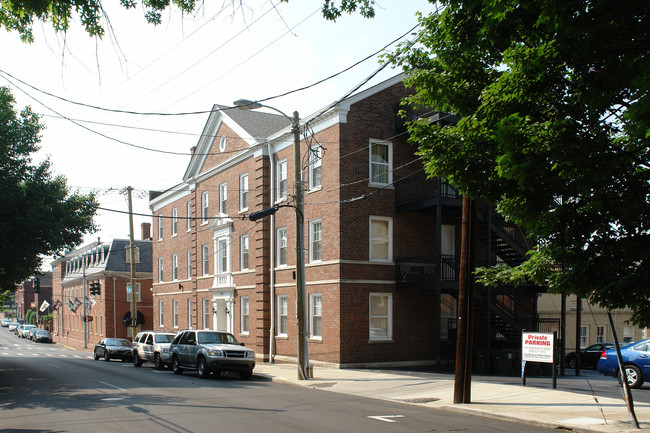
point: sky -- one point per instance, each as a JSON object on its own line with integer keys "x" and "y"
{"x": 112, "y": 106}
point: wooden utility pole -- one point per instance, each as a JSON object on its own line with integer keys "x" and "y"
{"x": 465, "y": 328}
{"x": 134, "y": 308}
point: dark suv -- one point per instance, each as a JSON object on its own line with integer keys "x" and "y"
{"x": 210, "y": 351}
{"x": 152, "y": 346}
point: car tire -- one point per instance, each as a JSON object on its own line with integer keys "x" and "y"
{"x": 107, "y": 356}
{"x": 176, "y": 366}
{"x": 137, "y": 362}
{"x": 157, "y": 362}
{"x": 634, "y": 377}
{"x": 246, "y": 374}
{"x": 572, "y": 363}
{"x": 96, "y": 356}
{"x": 202, "y": 368}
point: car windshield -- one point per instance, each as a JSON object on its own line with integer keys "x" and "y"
{"x": 118, "y": 342}
{"x": 42, "y": 332}
{"x": 216, "y": 338}
{"x": 28, "y": 326}
{"x": 163, "y": 338}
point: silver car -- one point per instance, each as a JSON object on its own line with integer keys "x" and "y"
{"x": 153, "y": 347}
{"x": 210, "y": 351}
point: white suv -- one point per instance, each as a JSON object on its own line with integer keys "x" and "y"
{"x": 152, "y": 346}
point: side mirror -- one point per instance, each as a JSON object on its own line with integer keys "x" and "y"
{"x": 241, "y": 344}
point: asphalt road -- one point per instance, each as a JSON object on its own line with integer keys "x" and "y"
{"x": 49, "y": 388}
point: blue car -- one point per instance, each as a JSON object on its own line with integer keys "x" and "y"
{"x": 636, "y": 359}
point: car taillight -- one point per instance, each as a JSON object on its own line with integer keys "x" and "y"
{"x": 603, "y": 355}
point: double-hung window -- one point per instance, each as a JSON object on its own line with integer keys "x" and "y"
{"x": 281, "y": 180}
{"x": 244, "y": 252}
{"x": 283, "y": 306}
{"x": 160, "y": 227}
{"x": 161, "y": 315}
{"x": 189, "y": 264}
{"x": 315, "y": 316}
{"x": 223, "y": 198}
{"x": 381, "y": 239}
{"x": 206, "y": 313}
{"x": 205, "y": 259}
{"x": 315, "y": 156}
{"x": 160, "y": 269}
{"x": 381, "y": 163}
{"x": 204, "y": 207}
{"x": 243, "y": 192}
{"x": 282, "y": 247}
{"x": 175, "y": 267}
{"x": 189, "y": 313}
{"x": 245, "y": 313}
{"x": 189, "y": 215}
{"x": 174, "y": 222}
{"x": 381, "y": 316}
{"x": 175, "y": 312}
{"x": 315, "y": 241}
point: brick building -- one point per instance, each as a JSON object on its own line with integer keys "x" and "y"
{"x": 106, "y": 263}
{"x": 28, "y": 298}
{"x": 381, "y": 240}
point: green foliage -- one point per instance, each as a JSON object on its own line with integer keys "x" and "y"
{"x": 47, "y": 319}
{"x": 554, "y": 100}
{"x": 38, "y": 214}
{"x": 20, "y": 16}
{"x": 30, "y": 317}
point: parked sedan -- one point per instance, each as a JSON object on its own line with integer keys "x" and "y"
{"x": 13, "y": 326}
{"x": 113, "y": 348}
{"x": 31, "y": 333}
{"x": 6, "y": 322}
{"x": 588, "y": 357}
{"x": 636, "y": 361}
{"x": 42, "y": 336}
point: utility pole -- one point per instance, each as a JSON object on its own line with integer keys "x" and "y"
{"x": 83, "y": 288}
{"x": 134, "y": 309}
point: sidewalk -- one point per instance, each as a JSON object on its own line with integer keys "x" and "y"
{"x": 546, "y": 407}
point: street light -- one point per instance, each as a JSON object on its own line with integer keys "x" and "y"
{"x": 303, "y": 354}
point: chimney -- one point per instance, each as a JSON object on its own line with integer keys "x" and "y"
{"x": 145, "y": 228}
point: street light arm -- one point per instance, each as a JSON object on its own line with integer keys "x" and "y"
{"x": 247, "y": 104}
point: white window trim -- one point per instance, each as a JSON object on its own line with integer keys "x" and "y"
{"x": 174, "y": 222}
{"x": 161, "y": 313}
{"x": 389, "y": 331}
{"x": 188, "y": 209}
{"x": 390, "y": 238}
{"x": 311, "y": 316}
{"x": 174, "y": 267}
{"x": 312, "y": 224}
{"x": 315, "y": 160}
{"x": 160, "y": 270}
{"x": 205, "y": 259}
{"x": 189, "y": 313}
{"x": 389, "y": 165}
{"x": 205, "y": 207}
{"x": 222, "y": 256}
{"x": 160, "y": 227}
{"x": 278, "y": 247}
{"x": 189, "y": 264}
{"x": 244, "y": 246}
{"x": 244, "y": 315}
{"x": 243, "y": 192}
{"x": 175, "y": 313}
{"x": 279, "y": 314}
{"x": 223, "y": 198}
{"x": 278, "y": 180}
{"x": 206, "y": 313}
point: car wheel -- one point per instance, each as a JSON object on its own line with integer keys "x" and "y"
{"x": 157, "y": 362}
{"x": 246, "y": 374}
{"x": 634, "y": 377}
{"x": 202, "y": 368}
{"x": 572, "y": 363}
{"x": 137, "y": 362}
{"x": 176, "y": 366}
{"x": 107, "y": 357}
{"x": 96, "y": 356}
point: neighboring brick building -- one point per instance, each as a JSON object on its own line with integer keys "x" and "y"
{"x": 26, "y": 299}
{"x": 108, "y": 264}
{"x": 381, "y": 240}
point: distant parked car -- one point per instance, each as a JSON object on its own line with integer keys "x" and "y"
{"x": 113, "y": 348}
{"x": 42, "y": 336}
{"x": 210, "y": 351}
{"x": 152, "y": 346}
{"x": 13, "y": 326}
{"x": 6, "y": 323}
{"x": 636, "y": 361}
{"x": 23, "y": 330}
{"x": 588, "y": 357}
{"x": 31, "y": 332}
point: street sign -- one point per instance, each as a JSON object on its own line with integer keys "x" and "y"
{"x": 537, "y": 347}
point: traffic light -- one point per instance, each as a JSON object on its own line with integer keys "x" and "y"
{"x": 37, "y": 285}
{"x": 95, "y": 288}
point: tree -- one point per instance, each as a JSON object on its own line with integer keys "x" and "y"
{"x": 554, "y": 100}
{"x": 38, "y": 213}
{"x": 20, "y": 15}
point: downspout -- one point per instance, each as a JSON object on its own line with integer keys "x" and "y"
{"x": 272, "y": 266}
